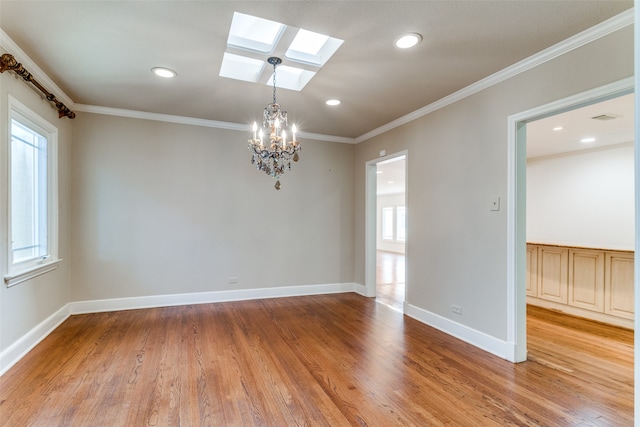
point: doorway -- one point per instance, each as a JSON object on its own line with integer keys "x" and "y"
{"x": 385, "y": 229}
{"x": 391, "y": 231}
{"x": 580, "y": 219}
{"x": 516, "y": 201}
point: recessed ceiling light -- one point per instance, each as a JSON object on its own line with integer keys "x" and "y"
{"x": 163, "y": 72}
{"x": 378, "y": 172}
{"x": 587, "y": 140}
{"x": 558, "y": 128}
{"x": 333, "y": 102}
{"x": 408, "y": 40}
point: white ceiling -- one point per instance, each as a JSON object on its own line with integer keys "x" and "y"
{"x": 100, "y": 53}
{"x": 391, "y": 176}
{"x": 543, "y": 140}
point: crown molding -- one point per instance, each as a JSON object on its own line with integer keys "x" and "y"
{"x": 134, "y": 114}
{"x": 596, "y": 32}
{"x": 11, "y": 47}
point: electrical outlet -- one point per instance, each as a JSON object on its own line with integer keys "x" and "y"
{"x": 233, "y": 280}
{"x": 456, "y": 309}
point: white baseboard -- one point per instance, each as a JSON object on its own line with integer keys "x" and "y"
{"x": 16, "y": 351}
{"x": 23, "y": 345}
{"x": 479, "y": 339}
{"x": 115, "y": 304}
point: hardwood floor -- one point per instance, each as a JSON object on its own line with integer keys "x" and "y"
{"x": 390, "y": 279}
{"x": 333, "y": 360}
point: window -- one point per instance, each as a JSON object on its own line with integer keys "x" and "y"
{"x": 393, "y": 223}
{"x": 400, "y": 224}
{"x": 32, "y": 228}
{"x": 387, "y": 223}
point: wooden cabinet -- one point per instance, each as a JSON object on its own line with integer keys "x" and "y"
{"x": 586, "y": 279}
{"x": 618, "y": 284}
{"x": 592, "y": 283}
{"x": 552, "y": 273}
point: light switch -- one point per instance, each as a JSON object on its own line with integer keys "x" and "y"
{"x": 495, "y": 204}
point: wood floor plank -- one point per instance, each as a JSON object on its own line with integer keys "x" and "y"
{"x": 326, "y": 360}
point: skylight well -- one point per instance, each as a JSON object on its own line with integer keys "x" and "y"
{"x": 241, "y": 68}
{"x": 312, "y": 48}
{"x": 292, "y": 78}
{"x": 252, "y": 39}
{"x": 252, "y": 33}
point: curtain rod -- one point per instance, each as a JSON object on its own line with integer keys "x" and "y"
{"x": 8, "y": 62}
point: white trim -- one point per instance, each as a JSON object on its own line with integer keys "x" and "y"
{"x": 30, "y": 273}
{"x": 160, "y": 117}
{"x": 370, "y": 218}
{"x": 120, "y": 112}
{"x": 16, "y": 351}
{"x": 132, "y": 303}
{"x": 516, "y": 233}
{"x": 20, "y": 272}
{"x": 596, "y": 32}
{"x": 474, "y": 337}
{"x": 11, "y": 47}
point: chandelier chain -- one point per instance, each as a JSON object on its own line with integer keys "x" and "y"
{"x": 274, "y": 83}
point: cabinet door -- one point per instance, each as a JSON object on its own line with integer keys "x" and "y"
{"x": 552, "y": 273}
{"x": 532, "y": 270}
{"x": 586, "y": 279}
{"x": 618, "y": 284}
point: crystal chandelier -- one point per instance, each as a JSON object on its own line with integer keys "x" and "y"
{"x": 271, "y": 152}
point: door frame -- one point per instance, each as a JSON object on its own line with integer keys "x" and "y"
{"x": 370, "y": 235}
{"x": 516, "y": 203}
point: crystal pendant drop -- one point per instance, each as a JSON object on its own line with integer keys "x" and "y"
{"x": 277, "y": 185}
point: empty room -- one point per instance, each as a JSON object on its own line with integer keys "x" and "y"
{"x": 190, "y": 221}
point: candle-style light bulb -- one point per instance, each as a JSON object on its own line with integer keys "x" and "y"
{"x": 294, "y": 130}
{"x": 255, "y": 128}
{"x": 284, "y": 139}
{"x": 261, "y": 134}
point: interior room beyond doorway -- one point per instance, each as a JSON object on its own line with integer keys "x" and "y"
{"x": 391, "y": 231}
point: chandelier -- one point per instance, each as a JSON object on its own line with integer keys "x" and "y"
{"x": 271, "y": 152}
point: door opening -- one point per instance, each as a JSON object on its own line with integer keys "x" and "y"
{"x": 517, "y": 200}
{"x": 386, "y": 230}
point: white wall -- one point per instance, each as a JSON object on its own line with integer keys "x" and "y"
{"x": 457, "y": 162}
{"x": 162, "y": 208}
{"x": 26, "y": 305}
{"x": 583, "y": 199}
{"x": 388, "y": 200}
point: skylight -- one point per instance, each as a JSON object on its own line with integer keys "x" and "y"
{"x": 259, "y": 38}
{"x": 253, "y": 33}
{"x": 291, "y": 78}
{"x": 312, "y": 48}
{"x": 241, "y": 68}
